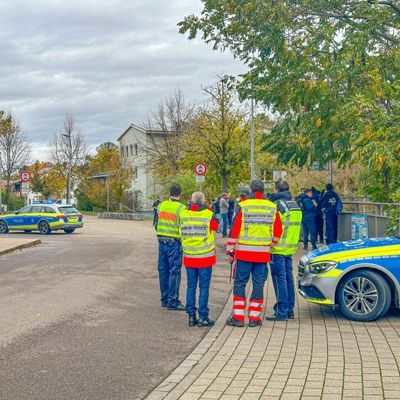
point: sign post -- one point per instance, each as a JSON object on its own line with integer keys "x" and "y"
{"x": 25, "y": 177}
{"x": 200, "y": 170}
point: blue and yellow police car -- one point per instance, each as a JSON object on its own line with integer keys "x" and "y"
{"x": 362, "y": 277}
{"x": 43, "y": 218}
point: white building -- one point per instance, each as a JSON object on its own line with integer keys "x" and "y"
{"x": 133, "y": 143}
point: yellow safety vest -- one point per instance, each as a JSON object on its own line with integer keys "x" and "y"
{"x": 258, "y": 216}
{"x": 291, "y": 222}
{"x": 197, "y": 238}
{"x": 169, "y": 213}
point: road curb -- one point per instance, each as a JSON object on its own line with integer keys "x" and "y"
{"x": 21, "y": 247}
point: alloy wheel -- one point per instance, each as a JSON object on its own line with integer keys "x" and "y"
{"x": 44, "y": 228}
{"x": 360, "y": 295}
{"x": 3, "y": 227}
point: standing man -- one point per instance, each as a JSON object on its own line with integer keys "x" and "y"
{"x": 281, "y": 263}
{"x": 256, "y": 226}
{"x": 309, "y": 219}
{"x": 170, "y": 249}
{"x": 231, "y": 209}
{"x": 332, "y": 206}
{"x": 319, "y": 218}
{"x": 224, "y": 207}
{"x": 156, "y": 203}
{"x": 197, "y": 227}
{"x": 217, "y": 212}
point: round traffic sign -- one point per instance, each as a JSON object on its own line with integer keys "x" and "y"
{"x": 25, "y": 176}
{"x": 200, "y": 168}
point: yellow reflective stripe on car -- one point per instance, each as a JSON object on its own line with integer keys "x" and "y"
{"x": 360, "y": 253}
{"x": 325, "y": 302}
{"x": 334, "y": 273}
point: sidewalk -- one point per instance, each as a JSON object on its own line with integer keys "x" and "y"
{"x": 8, "y": 244}
{"x": 319, "y": 355}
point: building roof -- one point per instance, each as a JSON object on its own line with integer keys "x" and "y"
{"x": 129, "y": 127}
{"x": 146, "y": 131}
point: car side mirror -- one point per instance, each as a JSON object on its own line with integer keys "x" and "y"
{"x": 16, "y": 212}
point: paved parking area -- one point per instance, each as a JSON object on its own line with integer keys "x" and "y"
{"x": 319, "y": 355}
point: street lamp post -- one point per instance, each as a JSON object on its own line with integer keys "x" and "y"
{"x": 252, "y": 173}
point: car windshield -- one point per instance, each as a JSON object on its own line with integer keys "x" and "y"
{"x": 68, "y": 210}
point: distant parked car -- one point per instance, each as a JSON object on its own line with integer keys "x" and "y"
{"x": 43, "y": 218}
{"x": 362, "y": 277}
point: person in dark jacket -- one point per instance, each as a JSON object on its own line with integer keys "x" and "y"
{"x": 231, "y": 209}
{"x": 319, "y": 219}
{"x": 309, "y": 216}
{"x": 331, "y": 206}
{"x": 156, "y": 203}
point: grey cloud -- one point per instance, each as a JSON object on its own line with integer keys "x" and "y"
{"x": 107, "y": 62}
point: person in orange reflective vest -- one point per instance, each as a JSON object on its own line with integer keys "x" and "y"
{"x": 256, "y": 227}
{"x": 197, "y": 226}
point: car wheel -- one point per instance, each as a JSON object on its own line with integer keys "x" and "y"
{"x": 27, "y": 230}
{"x": 70, "y": 230}
{"x": 364, "y": 296}
{"x": 44, "y": 228}
{"x": 3, "y": 227}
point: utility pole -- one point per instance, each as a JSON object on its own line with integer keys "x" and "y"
{"x": 252, "y": 173}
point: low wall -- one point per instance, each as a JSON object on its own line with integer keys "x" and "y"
{"x": 127, "y": 216}
{"x": 376, "y": 226}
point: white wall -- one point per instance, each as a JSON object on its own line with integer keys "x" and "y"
{"x": 144, "y": 181}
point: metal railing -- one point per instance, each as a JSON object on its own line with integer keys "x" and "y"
{"x": 379, "y": 216}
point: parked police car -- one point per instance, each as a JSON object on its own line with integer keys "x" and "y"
{"x": 362, "y": 277}
{"x": 44, "y": 218}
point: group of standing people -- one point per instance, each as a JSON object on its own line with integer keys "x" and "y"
{"x": 320, "y": 215}
{"x": 223, "y": 208}
{"x": 263, "y": 229}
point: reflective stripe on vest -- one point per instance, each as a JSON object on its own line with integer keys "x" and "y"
{"x": 168, "y": 218}
{"x": 291, "y": 222}
{"x": 258, "y": 216}
{"x": 197, "y": 238}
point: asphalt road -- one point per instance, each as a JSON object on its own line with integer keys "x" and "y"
{"x": 81, "y": 317}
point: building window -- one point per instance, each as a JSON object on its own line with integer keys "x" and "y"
{"x": 126, "y": 151}
{"x": 136, "y": 173}
{"x": 136, "y": 149}
{"x": 131, "y": 146}
{"x": 122, "y": 151}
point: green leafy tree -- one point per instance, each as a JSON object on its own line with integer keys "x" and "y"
{"x": 328, "y": 69}
{"x": 100, "y": 170}
{"x": 221, "y": 138}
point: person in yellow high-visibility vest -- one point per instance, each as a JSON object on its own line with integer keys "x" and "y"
{"x": 282, "y": 252}
{"x": 170, "y": 249}
{"x": 197, "y": 226}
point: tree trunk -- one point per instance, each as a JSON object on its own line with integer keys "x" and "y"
{"x": 8, "y": 191}
{"x": 224, "y": 182}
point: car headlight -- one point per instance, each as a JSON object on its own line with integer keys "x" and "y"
{"x": 320, "y": 267}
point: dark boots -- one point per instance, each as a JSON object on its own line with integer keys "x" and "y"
{"x": 193, "y": 321}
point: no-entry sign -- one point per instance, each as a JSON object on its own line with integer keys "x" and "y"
{"x": 25, "y": 176}
{"x": 200, "y": 169}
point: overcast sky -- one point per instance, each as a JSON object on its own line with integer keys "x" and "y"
{"x": 105, "y": 61}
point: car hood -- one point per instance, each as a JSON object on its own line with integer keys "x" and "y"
{"x": 360, "y": 244}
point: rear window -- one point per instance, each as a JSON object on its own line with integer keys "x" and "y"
{"x": 68, "y": 210}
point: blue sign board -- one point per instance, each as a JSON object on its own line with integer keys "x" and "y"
{"x": 359, "y": 226}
